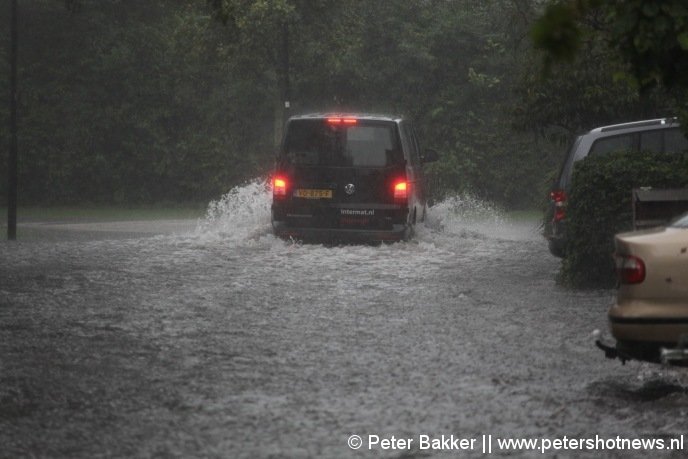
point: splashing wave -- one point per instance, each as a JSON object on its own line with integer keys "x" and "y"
{"x": 243, "y": 215}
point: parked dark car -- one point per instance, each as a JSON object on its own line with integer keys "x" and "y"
{"x": 657, "y": 135}
{"x": 349, "y": 177}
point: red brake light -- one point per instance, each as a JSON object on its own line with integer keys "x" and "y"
{"x": 400, "y": 190}
{"x": 342, "y": 120}
{"x": 631, "y": 270}
{"x": 279, "y": 187}
{"x": 559, "y": 198}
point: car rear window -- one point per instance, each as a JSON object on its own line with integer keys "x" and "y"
{"x": 363, "y": 144}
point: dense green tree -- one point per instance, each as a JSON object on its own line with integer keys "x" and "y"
{"x": 181, "y": 100}
{"x": 646, "y": 40}
{"x": 651, "y": 36}
{"x": 585, "y": 90}
{"x": 131, "y": 104}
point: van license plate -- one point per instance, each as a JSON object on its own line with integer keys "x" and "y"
{"x": 313, "y": 194}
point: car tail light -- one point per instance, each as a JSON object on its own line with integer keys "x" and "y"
{"x": 559, "y": 198}
{"x": 630, "y": 269}
{"x": 401, "y": 190}
{"x": 279, "y": 187}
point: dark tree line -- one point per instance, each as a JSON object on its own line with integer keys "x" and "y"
{"x": 178, "y": 101}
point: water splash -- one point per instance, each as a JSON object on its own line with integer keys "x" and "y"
{"x": 469, "y": 217}
{"x": 454, "y": 212}
{"x": 240, "y": 215}
{"x": 243, "y": 216}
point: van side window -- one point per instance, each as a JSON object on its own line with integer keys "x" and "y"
{"x": 651, "y": 141}
{"x": 610, "y": 144}
{"x": 675, "y": 141}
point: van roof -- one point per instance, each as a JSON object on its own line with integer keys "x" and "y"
{"x": 360, "y": 116}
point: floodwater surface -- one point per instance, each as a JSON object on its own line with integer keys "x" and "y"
{"x": 227, "y": 342}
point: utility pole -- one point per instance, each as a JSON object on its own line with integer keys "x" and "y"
{"x": 12, "y": 162}
{"x": 283, "y": 105}
{"x": 286, "y": 84}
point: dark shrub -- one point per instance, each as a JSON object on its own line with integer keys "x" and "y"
{"x": 600, "y": 205}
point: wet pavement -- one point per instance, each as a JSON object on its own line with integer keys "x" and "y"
{"x": 223, "y": 341}
{"x": 101, "y": 230}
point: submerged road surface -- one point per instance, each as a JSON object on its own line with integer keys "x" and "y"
{"x": 226, "y": 342}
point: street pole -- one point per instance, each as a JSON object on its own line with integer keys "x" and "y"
{"x": 283, "y": 105}
{"x": 12, "y": 162}
{"x": 286, "y": 84}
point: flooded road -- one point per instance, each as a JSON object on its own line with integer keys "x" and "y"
{"x": 226, "y": 342}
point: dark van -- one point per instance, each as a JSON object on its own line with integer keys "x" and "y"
{"x": 349, "y": 177}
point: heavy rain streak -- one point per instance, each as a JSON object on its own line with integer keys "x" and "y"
{"x": 224, "y": 341}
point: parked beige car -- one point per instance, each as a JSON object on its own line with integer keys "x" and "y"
{"x": 650, "y": 317}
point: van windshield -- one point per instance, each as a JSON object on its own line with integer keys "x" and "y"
{"x": 363, "y": 144}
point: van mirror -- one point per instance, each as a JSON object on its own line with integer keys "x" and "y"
{"x": 429, "y": 156}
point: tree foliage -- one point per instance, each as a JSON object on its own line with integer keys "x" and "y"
{"x": 650, "y": 36}
{"x": 131, "y": 105}
{"x": 180, "y": 101}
